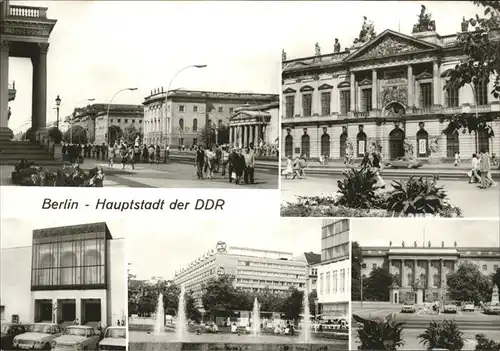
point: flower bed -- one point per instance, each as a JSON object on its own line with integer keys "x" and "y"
{"x": 358, "y": 196}
{"x": 27, "y": 174}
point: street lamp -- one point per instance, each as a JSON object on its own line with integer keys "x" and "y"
{"x": 477, "y": 115}
{"x": 71, "y": 119}
{"x": 58, "y": 103}
{"x": 166, "y": 97}
{"x": 106, "y": 133}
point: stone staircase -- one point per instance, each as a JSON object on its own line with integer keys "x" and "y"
{"x": 11, "y": 152}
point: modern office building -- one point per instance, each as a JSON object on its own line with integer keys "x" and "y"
{"x": 384, "y": 93}
{"x": 254, "y": 270}
{"x": 334, "y": 282}
{"x": 182, "y": 120}
{"x": 68, "y": 273}
{"x": 420, "y": 271}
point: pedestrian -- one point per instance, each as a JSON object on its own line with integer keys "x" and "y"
{"x": 289, "y": 170}
{"x": 296, "y": 168}
{"x": 157, "y": 154}
{"x": 124, "y": 155}
{"x": 111, "y": 156}
{"x": 151, "y": 153}
{"x": 375, "y": 161}
{"x": 457, "y": 159}
{"x": 484, "y": 168}
{"x": 239, "y": 166}
{"x": 232, "y": 159}
{"x": 249, "y": 167}
{"x": 199, "y": 162}
{"x": 131, "y": 156}
{"x": 209, "y": 162}
{"x": 474, "y": 172}
{"x": 224, "y": 161}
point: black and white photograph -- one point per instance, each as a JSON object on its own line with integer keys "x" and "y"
{"x": 144, "y": 94}
{"x": 391, "y": 109}
{"x": 425, "y": 285}
{"x": 279, "y": 285}
{"x": 62, "y": 287}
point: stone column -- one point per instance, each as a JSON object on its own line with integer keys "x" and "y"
{"x": 414, "y": 271}
{"x": 230, "y": 135}
{"x": 441, "y": 273}
{"x": 429, "y": 274}
{"x": 435, "y": 87}
{"x": 5, "y": 132}
{"x": 402, "y": 274}
{"x": 240, "y": 136}
{"x": 390, "y": 266}
{"x": 40, "y": 87}
{"x": 410, "y": 86}
{"x": 353, "y": 92}
{"x": 247, "y": 135}
{"x": 374, "y": 90}
{"x": 78, "y": 309}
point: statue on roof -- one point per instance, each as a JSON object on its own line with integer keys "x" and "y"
{"x": 442, "y": 244}
{"x": 415, "y": 243}
{"x": 390, "y": 243}
{"x": 455, "y": 244}
{"x": 336, "y": 46}
{"x": 465, "y": 25}
{"x": 283, "y": 55}
{"x": 429, "y": 244}
{"x": 367, "y": 32}
{"x": 403, "y": 243}
{"x": 425, "y": 23}
{"x": 317, "y": 50}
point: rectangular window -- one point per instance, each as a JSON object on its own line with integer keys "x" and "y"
{"x": 342, "y": 280}
{"x": 221, "y": 109}
{"x": 345, "y": 101}
{"x": 126, "y": 120}
{"x": 335, "y": 285}
{"x": 181, "y": 108}
{"x": 326, "y": 99}
{"x": 321, "y": 282}
{"x": 327, "y": 278}
{"x": 195, "y": 108}
{"x": 425, "y": 95}
{"x": 485, "y": 267}
{"x": 231, "y": 109}
{"x": 366, "y": 100}
{"x": 481, "y": 93}
{"x": 306, "y": 104}
{"x": 374, "y": 266}
{"x": 289, "y": 106}
{"x": 452, "y": 97}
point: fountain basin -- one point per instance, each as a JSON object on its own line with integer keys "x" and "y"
{"x": 194, "y": 346}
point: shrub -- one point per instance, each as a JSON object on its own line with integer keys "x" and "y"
{"x": 442, "y": 335}
{"x": 416, "y": 196}
{"x": 380, "y": 334}
{"x": 483, "y": 343}
{"x": 55, "y": 134}
{"x": 357, "y": 190}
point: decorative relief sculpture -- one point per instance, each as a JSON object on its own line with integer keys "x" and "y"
{"x": 392, "y": 45}
{"x": 395, "y": 94}
{"x": 424, "y": 24}
{"x": 317, "y": 50}
{"x": 465, "y": 25}
{"x": 366, "y": 33}
{"x": 408, "y": 147}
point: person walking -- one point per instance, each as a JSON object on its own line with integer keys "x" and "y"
{"x": 199, "y": 162}
{"x": 232, "y": 159}
{"x": 457, "y": 159}
{"x": 111, "y": 156}
{"x": 239, "y": 166}
{"x": 131, "y": 156}
{"x": 484, "y": 168}
{"x": 249, "y": 166}
{"x": 474, "y": 175}
{"x": 224, "y": 160}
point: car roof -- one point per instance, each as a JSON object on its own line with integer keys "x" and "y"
{"x": 41, "y": 323}
{"x": 80, "y": 326}
{"x": 116, "y": 327}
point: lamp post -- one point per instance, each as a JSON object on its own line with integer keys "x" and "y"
{"x": 71, "y": 119}
{"x": 477, "y": 116}
{"x": 166, "y": 99}
{"x": 58, "y": 103}
{"x": 106, "y": 132}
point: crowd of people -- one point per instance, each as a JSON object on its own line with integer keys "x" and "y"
{"x": 234, "y": 162}
{"x": 481, "y": 166}
{"x": 295, "y": 168}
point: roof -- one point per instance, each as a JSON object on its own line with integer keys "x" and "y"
{"x": 312, "y": 258}
{"x": 73, "y": 229}
{"x": 197, "y": 94}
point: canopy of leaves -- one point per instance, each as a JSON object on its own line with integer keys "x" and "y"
{"x": 357, "y": 261}
{"x": 222, "y": 135}
{"x": 377, "y": 284}
{"x": 131, "y": 133}
{"x": 77, "y": 134}
{"x": 467, "y": 283}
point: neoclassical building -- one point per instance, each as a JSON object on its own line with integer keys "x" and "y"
{"x": 386, "y": 91}
{"x": 182, "y": 120}
{"x": 422, "y": 270}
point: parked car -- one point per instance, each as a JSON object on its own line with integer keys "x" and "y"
{"x": 408, "y": 307}
{"x": 8, "y": 333}
{"x": 468, "y": 306}
{"x": 115, "y": 338}
{"x": 450, "y": 307}
{"x": 77, "y": 337}
{"x": 38, "y": 336}
{"x": 404, "y": 162}
{"x": 488, "y": 308}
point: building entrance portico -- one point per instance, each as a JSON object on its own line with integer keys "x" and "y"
{"x": 25, "y": 32}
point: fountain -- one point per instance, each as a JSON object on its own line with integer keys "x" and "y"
{"x": 306, "y": 324}
{"x": 160, "y": 316}
{"x": 181, "y": 325}
{"x": 256, "y": 318}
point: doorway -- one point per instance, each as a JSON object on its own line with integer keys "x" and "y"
{"x": 396, "y": 143}
{"x": 43, "y": 311}
{"x": 67, "y": 310}
{"x": 289, "y": 146}
{"x": 91, "y": 310}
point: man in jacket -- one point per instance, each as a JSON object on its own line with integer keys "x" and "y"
{"x": 249, "y": 166}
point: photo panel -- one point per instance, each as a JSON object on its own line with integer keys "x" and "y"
{"x": 429, "y": 284}
{"x": 379, "y": 102}
{"x": 63, "y": 285}
{"x": 277, "y": 285}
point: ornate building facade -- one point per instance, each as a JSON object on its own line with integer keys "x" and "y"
{"x": 422, "y": 271}
{"x": 183, "y": 119}
{"x": 385, "y": 92}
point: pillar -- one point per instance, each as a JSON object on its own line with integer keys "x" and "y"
{"x": 55, "y": 311}
{"x": 240, "y": 136}
{"x": 353, "y": 92}
{"x": 5, "y": 132}
{"x": 442, "y": 275}
{"x": 40, "y": 87}
{"x": 259, "y": 133}
{"x": 435, "y": 79}
{"x": 245, "y": 142}
{"x": 429, "y": 274}
{"x": 104, "y": 313}
{"x": 78, "y": 309}
{"x": 390, "y": 266}
{"x": 402, "y": 274}
{"x": 374, "y": 90}
{"x": 414, "y": 271}
{"x": 230, "y": 135}
{"x": 410, "y": 86}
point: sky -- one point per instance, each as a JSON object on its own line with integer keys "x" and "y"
{"x": 158, "y": 249}
{"x": 100, "y": 47}
{"x": 17, "y": 232}
{"x": 472, "y": 233}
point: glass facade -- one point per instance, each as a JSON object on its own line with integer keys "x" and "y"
{"x": 69, "y": 260}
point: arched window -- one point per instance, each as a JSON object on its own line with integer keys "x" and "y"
{"x": 306, "y": 145}
{"x": 343, "y": 144}
{"x": 452, "y": 143}
{"x": 325, "y": 145}
{"x": 181, "y": 123}
{"x": 422, "y": 143}
{"x": 361, "y": 143}
{"x": 47, "y": 262}
{"x": 195, "y": 124}
{"x": 68, "y": 263}
{"x": 483, "y": 141}
{"x": 289, "y": 146}
{"x": 396, "y": 143}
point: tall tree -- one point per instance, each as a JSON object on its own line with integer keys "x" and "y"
{"x": 467, "y": 283}
{"x": 357, "y": 261}
{"x": 130, "y": 133}
{"x": 496, "y": 278}
{"x": 293, "y": 304}
{"x": 377, "y": 285}
{"x": 219, "y": 294}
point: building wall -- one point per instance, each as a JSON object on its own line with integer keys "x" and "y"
{"x": 117, "y": 281}
{"x": 334, "y": 293}
{"x": 15, "y": 283}
{"x": 122, "y": 120}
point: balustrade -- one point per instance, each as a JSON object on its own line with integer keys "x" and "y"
{"x": 27, "y": 11}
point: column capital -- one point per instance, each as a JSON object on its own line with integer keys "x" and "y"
{"x": 5, "y": 45}
{"x": 43, "y": 48}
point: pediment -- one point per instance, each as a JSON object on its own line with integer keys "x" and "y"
{"x": 365, "y": 82}
{"x": 390, "y": 43}
{"x": 344, "y": 84}
{"x": 325, "y": 87}
{"x": 306, "y": 88}
{"x": 289, "y": 91}
{"x": 424, "y": 75}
